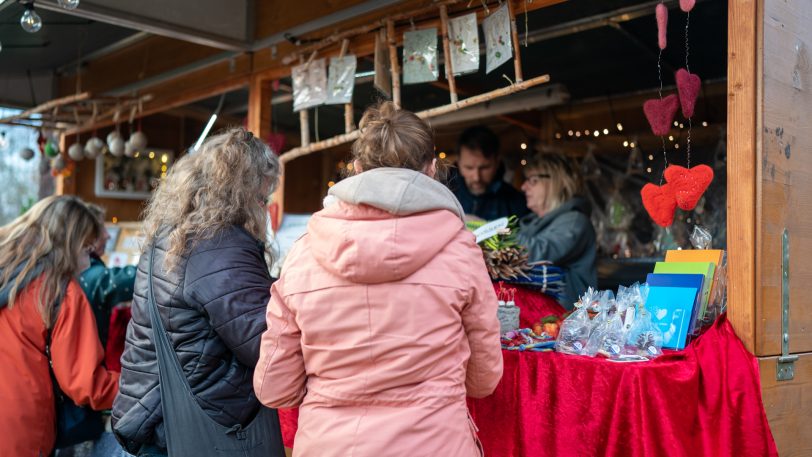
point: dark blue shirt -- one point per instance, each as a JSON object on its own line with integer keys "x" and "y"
{"x": 499, "y": 200}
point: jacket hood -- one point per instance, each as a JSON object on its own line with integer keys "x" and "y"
{"x": 383, "y": 225}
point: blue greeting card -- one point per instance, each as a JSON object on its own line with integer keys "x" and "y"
{"x": 691, "y": 281}
{"x": 671, "y": 309}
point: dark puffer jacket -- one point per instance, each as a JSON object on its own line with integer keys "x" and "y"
{"x": 213, "y": 307}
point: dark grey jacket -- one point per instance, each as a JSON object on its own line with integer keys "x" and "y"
{"x": 565, "y": 237}
{"x": 213, "y": 307}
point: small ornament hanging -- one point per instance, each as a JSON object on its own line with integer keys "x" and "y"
{"x": 660, "y": 113}
{"x": 687, "y": 5}
{"x": 117, "y": 146}
{"x": 130, "y": 149}
{"x": 94, "y": 148}
{"x": 111, "y": 137}
{"x": 138, "y": 140}
{"x": 688, "y": 86}
{"x": 58, "y": 164}
{"x": 51, "y": 149}
{"x": 27, "y": 153}
{"x": 76, "y": 152}
{"x": 660, "y": 203}
{"x": 662, "y": 25}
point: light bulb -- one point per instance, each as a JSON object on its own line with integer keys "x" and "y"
{"x": 619, "y": 127}
{"x": 704, "y": 124}
{"x": 69, "y": 4}
{"x": 606, "y": 131}
{"x": 597, "y": 133}
{"x": 651, "y": 157}
{"x": 570, "y": 133}
{"x": 31, "y": 22}
{"x": 626, "y": 144}
{"x": 523, "y": 146}
{"x": 631, "y": 144}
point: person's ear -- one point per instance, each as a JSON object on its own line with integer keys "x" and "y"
{"x": 431, "y": 169}
{"x": 356, "y": 166}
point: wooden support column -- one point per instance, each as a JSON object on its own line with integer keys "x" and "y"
{"x": 393, "y": 60}
{"x": 514, "y": 31}
{"x": 349, "y": 121}
{"x": 449, "y": 67}
{"x": 260, "y": 92}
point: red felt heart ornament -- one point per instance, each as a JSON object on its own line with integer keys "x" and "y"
{"x": 686, "y": 5}
{"x": 660, "y": 113}
{"x": 688, "y": 184}
{"x": 688, "y": 86}
{"x": 659, "y": 203}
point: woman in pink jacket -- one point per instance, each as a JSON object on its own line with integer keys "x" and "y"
{"x": 384, "y": 317}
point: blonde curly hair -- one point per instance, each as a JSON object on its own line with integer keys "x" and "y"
{"x": 226, "y": 182}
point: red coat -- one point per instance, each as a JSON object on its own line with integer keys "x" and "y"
{"x": 27, "y": 415}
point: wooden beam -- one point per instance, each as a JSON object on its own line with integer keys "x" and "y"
{"x": 427, "y": 114}
{"x": 260, "y": 92}
{"x": 743, "y": 107}
{"x": 449, "y": 67}
{"x": 48, "y": 106}
{"x": 394, "y": 65}
{"x": 517, "y": 49}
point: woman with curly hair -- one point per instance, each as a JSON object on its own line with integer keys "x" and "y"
{"x": 45, "y": 320}
{"x": 203, "y": 269}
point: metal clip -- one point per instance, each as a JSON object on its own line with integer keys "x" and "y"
{"x": 785, "y": 368}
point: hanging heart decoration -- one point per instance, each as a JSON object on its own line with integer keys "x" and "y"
{"x": 688, "y": 86}
{"x": 686, "y": 5}
{"x": 660, "y": 203}
{"x": 661, "y": 12}
{"x": 688, "y": 184}
{"x": 660, "y": 113}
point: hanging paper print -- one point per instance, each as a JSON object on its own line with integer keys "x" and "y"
{"x": 498, "y": 46}
{"x": 420, "y": 56}
{"x": 309, "y": 85}
{"x": 341, "y": 80}
{"x": 383, "y": 72}
{"x": 463, "y": 37}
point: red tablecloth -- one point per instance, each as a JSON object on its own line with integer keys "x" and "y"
{"x": 703, "y": 401}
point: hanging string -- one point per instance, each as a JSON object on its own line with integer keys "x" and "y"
{"x": 688, "y": 68}
{"x": 317, "y": 124}
{"x": 660, "y": 93}
{"x": 526, "y": 27}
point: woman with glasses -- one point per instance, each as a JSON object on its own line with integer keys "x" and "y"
{"x": 47, "y": 328}
{"x": 559, "y": 228}
{"x": 198, "y": 311}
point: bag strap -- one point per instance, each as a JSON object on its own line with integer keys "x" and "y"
{"x": 161, "y": 340}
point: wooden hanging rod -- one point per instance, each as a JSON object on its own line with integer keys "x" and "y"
{"x": 427, "y": 114}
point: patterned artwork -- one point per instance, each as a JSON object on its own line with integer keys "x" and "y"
{"x": 463, "y": 37}
{"x": 309, "y": 85}
{"x": 498, "y": 47}
{"x": 341, "y": 80}
{"x": 420, "y": 56}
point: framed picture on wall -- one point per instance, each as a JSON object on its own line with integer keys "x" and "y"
{"x": 132, "y": 178}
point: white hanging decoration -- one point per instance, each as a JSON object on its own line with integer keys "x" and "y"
{"x": 69, "y": 4}
{"x": 58, "y": 163}
{"x": 111, "y": 137}
{"x": 27, "y": 153}
{"x": 76, "y": 152}
{"x": 130, "y": 149}
{"x": 94, "y": 148}
{"x": 498, "y": 44}
{"x": 309, "y": 84}
{"x": 117, "y": 146}
{"x": 138, "y": 140}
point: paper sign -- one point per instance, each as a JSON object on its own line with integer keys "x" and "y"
{"x": 309, "y": 85}
{"x": 490, "y": 229}
{"x": 498, "y": 46}
{"x": 420, "y": 56}
{"x": 341, "y": 80}
{"x": 463, "y": 37}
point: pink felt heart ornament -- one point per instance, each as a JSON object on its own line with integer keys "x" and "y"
{"x": 659, "y": 203}
{"x": 660, "y": 113}
{"x": 688, "y": 184}
{"x": 688, "y": 86}
{"x": 686, "y": 5}
{"x": 661, "y": 13}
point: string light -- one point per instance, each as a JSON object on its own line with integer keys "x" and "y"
{"x": 597, "y": 133}
{"x": 31, "y": 22}
{"x": 137, "y": 154}
{"x": 570, "y": 133}
{"x": 631, "y": 144}
{"x": 681, "y": 125}
{"x": 578, "y": 134}
{"x": 524, "y": 162}
{"x": 164, "y": 158}
{"x": 676, "y": 146}
{"x": 349, "y": 167}
{"x": 523, "y": 146}
{"x": 115, "y": 220}
{"x": 676, "y": 124}
{"x": 625, "y": 144}
{"x": 163, "y": 168}
{"x": 606, "y": 131}
{"x": 651, "y": 157}
{"x": 151, "y": 154}
{"x": 331, "y": 184}
{"x": 648, "y": 169}
{"x": 442, "y": 155}
{"x": 586, "y": 132}
{"x": 558, "y": 136}
{"x": 619, "y": 127}
{"x": 670, "y": 137}
{"x": 704, "y": 123}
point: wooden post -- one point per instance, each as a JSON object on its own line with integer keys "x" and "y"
{"x": 260, "y": 92}
{"x": 349, "y": 122}
{"x": 304, "y": 125}
{"x": 449, "y": 68}
{"x": 517, "y": 57}
{"x": 393, "y": 61}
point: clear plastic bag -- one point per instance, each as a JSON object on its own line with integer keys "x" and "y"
{"x": 644, "y": 338}
{"x": 463, "y": 38}
{"x": 420, "y": 56}
{"x": 309, "y": 84}
{"x": 574, "y": 332}
{"x": 701, "y": 238}
{"x": 607, "y": 338}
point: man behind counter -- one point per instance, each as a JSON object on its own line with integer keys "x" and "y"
{"x": 482, "y": 191}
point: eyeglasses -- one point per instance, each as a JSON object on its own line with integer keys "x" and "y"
{"x": 535, "y": 179}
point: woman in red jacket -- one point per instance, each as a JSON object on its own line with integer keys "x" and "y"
{"x": 41, "y": 252}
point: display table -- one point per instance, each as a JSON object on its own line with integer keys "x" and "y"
{"x": 703, "y": 401}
